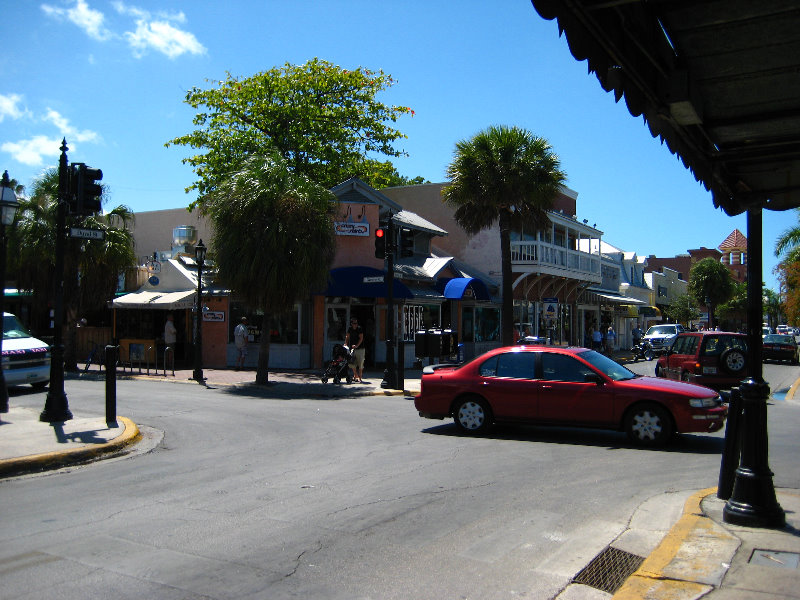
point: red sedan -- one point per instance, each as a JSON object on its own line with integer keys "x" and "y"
{"x": 569, "y": 387}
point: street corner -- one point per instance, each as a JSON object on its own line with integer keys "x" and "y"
{"x": 691, "y": 560}
{"x": 30, "y": 446}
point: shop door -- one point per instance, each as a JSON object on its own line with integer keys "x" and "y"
{"x": 337, "y": 319}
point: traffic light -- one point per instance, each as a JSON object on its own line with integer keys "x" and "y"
{"x": 85, "y": 192}
{"x": 380, "y": 242}
{"x": 406, "y": 242}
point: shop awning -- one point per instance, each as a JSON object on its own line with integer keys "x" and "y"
{"x": 620, "y": 299}
{"x": 363, "y": 282}
{"x": 156, "y": 300}
{"x": 456, "y": 288}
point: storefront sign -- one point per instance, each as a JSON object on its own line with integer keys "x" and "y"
{"x": 216, "y": 316}
{"x": 351, "y": 228}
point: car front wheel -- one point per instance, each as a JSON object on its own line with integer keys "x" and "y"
{"x": 471, "y": 415}
{"x": 649, "y": 425}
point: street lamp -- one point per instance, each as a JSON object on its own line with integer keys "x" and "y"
{"x": 200, "y": 258}
{"x": 8, "y": 210}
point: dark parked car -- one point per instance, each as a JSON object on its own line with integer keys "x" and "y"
{"x": 565, "y": 386}
{"x": 716, "y": 359}
{"x": 779, "y": 347}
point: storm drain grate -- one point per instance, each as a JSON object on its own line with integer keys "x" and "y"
{"x": 609, "y": 570}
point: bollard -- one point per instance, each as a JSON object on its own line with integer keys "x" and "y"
{"x": 111, "y": 386}
{"x": 733, "y": 446}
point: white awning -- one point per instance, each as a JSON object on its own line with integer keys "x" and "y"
{"x": 621, "y": 299}
{"x": 156, "y": 300}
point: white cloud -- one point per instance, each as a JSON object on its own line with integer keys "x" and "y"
{"x": 33, "y": 151}
{"x": 9, "y": 107}
{"x": 88, "y": 19}
{"x": 158, "y": 33}
{"x": 67, "y": 130}
{"x": 164, "y": 38}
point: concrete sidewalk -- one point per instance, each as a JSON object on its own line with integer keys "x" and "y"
{"x": 689, "y": 551}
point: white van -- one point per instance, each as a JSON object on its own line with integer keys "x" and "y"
{"x": 25, "y": 359}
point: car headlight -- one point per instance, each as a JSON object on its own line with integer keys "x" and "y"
{"x": 703, "y": 402}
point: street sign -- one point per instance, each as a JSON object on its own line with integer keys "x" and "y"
{"x": 376, "y": 279}
{"x": 87, "y": 234}
{"x": 550, "y": 300}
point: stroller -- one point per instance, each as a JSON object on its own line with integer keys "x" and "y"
{"x": 339, "y": 365}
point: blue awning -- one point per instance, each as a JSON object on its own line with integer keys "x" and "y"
{"x": 363, "y": 282}
{"x": 455, "y": 288}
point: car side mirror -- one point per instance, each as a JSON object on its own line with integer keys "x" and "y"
{"x": 593, "y": 378}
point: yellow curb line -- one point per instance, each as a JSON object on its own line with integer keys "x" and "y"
{"x": 790, "y": 394}
{"x": 649, "y": 581}
{"x": 57, "y": 458}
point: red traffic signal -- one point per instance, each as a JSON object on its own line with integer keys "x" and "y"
{"x": 380, "y": 242}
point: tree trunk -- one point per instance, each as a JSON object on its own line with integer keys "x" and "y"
{"x": 262, "y": 371}
{"x": 507, "y": 308}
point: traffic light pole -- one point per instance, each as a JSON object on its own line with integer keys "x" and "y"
{"x": 56, "y": 406}
{"x": 390, "y": 373}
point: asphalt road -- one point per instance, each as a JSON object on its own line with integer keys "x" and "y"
{"x": 241, "y": 496}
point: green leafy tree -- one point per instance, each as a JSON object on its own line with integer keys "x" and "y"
{"x": 710, "y": 284}
{"x": 91, "y": 267}
{"x": 772, "y": 307}
{"x": 682, "y": 310}
{"x": 505, "y": 175}
{"x": 324, "y": 121}
{"x": 273, "y": 238}
{"x": 734, "y": 311}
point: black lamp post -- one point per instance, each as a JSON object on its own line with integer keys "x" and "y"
{"x": 200, "y": 258}
{"x": 8, "y": 210}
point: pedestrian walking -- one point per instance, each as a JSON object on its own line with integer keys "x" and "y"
{"x": 240, "y": 340}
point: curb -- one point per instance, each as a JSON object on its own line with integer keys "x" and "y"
{"x": 53, "y": 460}
{"x": 673, "y": 571}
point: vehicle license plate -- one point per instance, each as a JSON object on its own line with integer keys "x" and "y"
{"x": 709, "y": 370}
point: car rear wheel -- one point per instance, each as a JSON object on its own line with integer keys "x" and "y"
{"x": 685, "y": 376}
{"x": 649, "y": 425}
{"x": 471, "y": 415}
{"x": 733, "y": 361}
{"x": 660, "y": 371}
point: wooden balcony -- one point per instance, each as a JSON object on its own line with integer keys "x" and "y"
{"x": 549, "y": 259}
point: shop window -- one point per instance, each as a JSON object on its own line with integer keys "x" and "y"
{"x": 487, "y": 324}
{"x": 288, "y": 328}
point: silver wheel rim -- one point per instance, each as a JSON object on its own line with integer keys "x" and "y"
{"x": 470, "y": 415}
{"x": 647, "y": 425}
{"x": 735, "y": 362}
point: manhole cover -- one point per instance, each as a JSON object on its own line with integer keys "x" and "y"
{"x": 775, "y": 558}
{"x": 609, "y": 570}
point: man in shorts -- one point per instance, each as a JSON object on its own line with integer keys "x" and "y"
{"x": 354, "y": 339}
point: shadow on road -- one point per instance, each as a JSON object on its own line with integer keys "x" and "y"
{"x": 611, "y": 440}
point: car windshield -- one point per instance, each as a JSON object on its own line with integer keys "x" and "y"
{"x": 608, "y": 367}
{"x": 13, "y": 329}
{"x": 661, "y": 330}
{"x": 778, "y": 339}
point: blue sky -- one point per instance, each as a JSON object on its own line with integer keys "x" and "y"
{"x": 111, "y": 77}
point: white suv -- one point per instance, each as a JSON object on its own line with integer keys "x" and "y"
{"x": 662, "y": 336}
{"x": 25, "y": 359}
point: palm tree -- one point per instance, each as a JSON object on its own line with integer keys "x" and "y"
{"x": 273, "y": 239}
{"x": 788, "y": 242}
{"x": 91, "y": 267}
{"x": 508, "y": 175}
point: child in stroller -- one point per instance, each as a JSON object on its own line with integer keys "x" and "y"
{"x": 339, "y": 365}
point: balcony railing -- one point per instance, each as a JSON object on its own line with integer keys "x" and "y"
{"x": 556, "y": 260}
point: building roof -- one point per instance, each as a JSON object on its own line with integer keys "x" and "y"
{"x": 716, "y": 80}
{"x": 735, "y": 241}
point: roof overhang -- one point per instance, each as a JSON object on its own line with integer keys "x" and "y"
{"x": 156, "y": 300}
{"x": 364, "y": 282}
{"x": 716, "y": 80}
